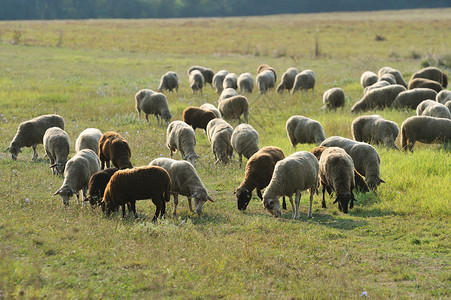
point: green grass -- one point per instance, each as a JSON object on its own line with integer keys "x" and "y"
{"x": 393, "y": 245}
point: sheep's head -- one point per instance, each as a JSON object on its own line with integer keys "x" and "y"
{"x": 166, "y": 116}
{"x": 14, "y": 149}
{"x": 200, "y": 197}
{"x": 344, "y": 201}
{"x": 243, "y": 197}
{"x": 272, "y": 205}
{"x": 192, "y": 158}
{"x": 373, "y": 183}
{"x": 59, "y": 167}
{"x": 65, "y": 193}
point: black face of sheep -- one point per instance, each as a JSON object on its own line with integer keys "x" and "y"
{"x": 344, "y": 201}
{"x": 243, "y": 198}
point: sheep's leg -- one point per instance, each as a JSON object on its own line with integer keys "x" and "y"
{"x": 123, "y": 210}
{"x": 176, "y": 202}
{"x": 158, "y": 118}
{"x": 239, "y": 120}
{"x": 259, "y": 194}
{"x": 292, "y": 205}
{"x": 240, "y": 159}
{"x": 311, "y": 203}
{"x": 147, "y": 118}
{"x": 190, "y": 205}
{"x": 297, "y": 200}
{"x": 157, "y": 213}
{"x": 35, "y": 154}
{"x": 323, "y": 203}
{"x": 284, "y": 203}
{"x": 163, "y": 208}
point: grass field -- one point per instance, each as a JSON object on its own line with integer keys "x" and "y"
{"x": 393, "y": 245}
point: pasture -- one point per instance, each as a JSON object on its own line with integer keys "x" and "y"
{"x": 395, "y": 244}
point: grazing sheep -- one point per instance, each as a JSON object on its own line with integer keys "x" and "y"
{"x": 411, "y": 98}
{"x": 366, "y": 159}
{"x": 112, "y": 146}
{"x": 79, "y": 170}
{"x": 168, "y": 82}
{"x": 234, "y": 107}
{"x": 218, "y": 80}
{"x": 368, "y": 78}
{"x": 197, "y": 117}
{"x": 244, "y": 141}
{"x": 88, "y": 139}
{"x": 97, "y": 184}
{"x": 31, "y": 133}
{"x": 180, "y": 136}
{"x": 334, "y": 98}
{"x": 264, "y": 67}
{"x": 245, "y": 82}
{"x": 426, "y": 130}
{"x": 425, "y": 83}
{"x": 433, "y": 108}
{"x": 56, "y": 145}
{"x": 153, "y": 103}
{"x": 206, "y": 72}
{"x": 398, "y": 76}
{"x": 265, "y": 81}
{"x": 212, "y": 108}
{"x": 293, "y": 174}
{"x": 378, "y": 98}
{"x": 303, "y": 130}
{"x": 305, "y": 80}
{"x": 287, "y": 80}
{"x": 185, "y": 182}
{"x": 377, "y": 85}
{"x": 196, "y": 81}
{"x": 432, "y": 73}
{"x": 127, "y": 186}
{"x": 230, "y": 81}
{"x": 390, "y": 78}
{"x": 259, "y": 170}
{"x": 219, "y": 133}
{"x": 336, "y": 172}
{"x": 227, "y": 93}
{"x": 375, "y": 129}
{"x": 443, "y": 96}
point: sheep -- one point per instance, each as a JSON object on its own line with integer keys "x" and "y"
{"x": 265, "y": 81}
{"x": 433, "y": 109}
{"x": 377, "y": 85}
{"x": 432, "y": 73}
{"x": 264, "y": 67}
{"x": 443, "y": 96}
{"x": 293, "y": 174}
{"x": 287, "y": 80}
{"x": 180, "y": 136}
{"x": 234, "y": 107}
{"x": 206, "y": 72}
{"x": 227, "y": 93}
{"x": 230, "y": 81}
{"x": 153, "y": 103}
{"x": 390, "y": 78}
{"x": 112, "y": 146}
{"x": 336, "y": 172}
{"x": 259, "y": 170}
{"x": 305, "y": 80}
{"x": 245, "y": 82}
{"x": 425, "y": 83}
{"x": 185, "y": 182}
{"x": 426, "y": 130}
{"x": 127, "y": 186}
{"x": 378, "y": 98}
{"x": 79, "y": 170}
{"x": 218, "y": 79}
{"x": 197, "y": 117}
{"x": 302, "y": 130}
{"x": 411, "y": 98}
{"x": 31, "y": 133}
{"x": 334, "y": 98}
{"x": 398, "y": 76}
{"x": 56, "y": 145}
{"x": 196, "y": 81}
{"x": 219, "y": 133}
{"x": 169, "y": 81}
{"x": 212, "y": 108}
{"x": 88, "y": 139}
{"x": 366, "y": 159}
{"x": 368, "y": 78}
{"x": 375, "y": 129}
{"x": 448, "y": 104}
{"x": 244, "y": 141}
{"x": 97, "y": 184}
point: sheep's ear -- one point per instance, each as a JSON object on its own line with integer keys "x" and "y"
{"x": 209, "y": 198}
{"x": 381, "y": 180}
{"x": 57, "y": 192}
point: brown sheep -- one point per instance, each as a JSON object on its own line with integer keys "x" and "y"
{"x": 432, "y": 73}
{"x": 426, "y": 130}
{"x": 114, "y": 147}
{"x": 425, "y": 83}
{"x": 197, "y": 117}
{"x": 97, "y": 184}
{"x": 127, "y": 186}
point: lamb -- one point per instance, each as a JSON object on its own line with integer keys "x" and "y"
{"x": 206, "y": 72}
{"x": 127, "y": 186}
{"x": 398, "y": 76}
{"x": 259, "y": 170}
{"x": 230, "y": 81}
{"x": 79, "y": 170}
{"x": 365, "y": 157}
{"x": 265, "y": 81}
{"x": 112, "y": 146}
{"x": 433, "y": 108}
{"x": 377, "y": 85}
{"x": 432, "y": 73}
{"x": 375, "y": 129}
{"x": 218, "y": 79}
{"x": 234, "y": 107}
{"x": 336, "y": 172}
{"x": 425, "y": 83}
{"x": 245, "y": 82}
{"x": 97, "y": 184}
{"x": 244, "y": 141}
{"x": 219, "y": 133}
{"x": 264, "y": 67}
{"x": 302, "y": 130}
{"x": 443, "y": 96}
{"x": 168, "y": 82}
{"x": 287, "y": 80}
{"x": 212, "y": 108}
{"x": 368, "y": 78}
{"x": 88, "y": 139}
{"x": 180, "y": 136}
{"x": 293, "y": 174}
{"x": 31, "y": 133}
{"x": 185, "y": 182}
{"x": 305, "y": 80}
{"x": 196, "y": 81}
{"x": 197, "y": 117}
{"x": 227, "y": 93}
{"x": 411, "y": 98}
{"x": 390, "y": 78}
{"x": 426, "y": 130}
{"x": 334, "y": 98}
{"x": 56, "y": 145}
{"x": 378, "y": 98}
{"x": 153, "y": 103}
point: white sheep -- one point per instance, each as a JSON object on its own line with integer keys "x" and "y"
{"x": 196, "y": 81}
{"x": 234, "y": 107}
{"x": 302, "y": 130}
{"x": 287, "y": 79}
{"x": 443, "y": 96}
{"x": 88, "y": 139}
{"x": 244, "y": 141}
{"x": 169, "y": 81}
{"x": 305, "y": 80}
{"x": 212, "y": 108}
{"x": 411, "y": 98}
{"x": 426, "y": 130}
{"x": 219, "y": 133}
{"x": 334, "y": 98}
{"x": 245, "y": 82}
{"x": 375, "y": 129}
{"x": 180, "y": 136}
{"x": 230, "y": 81}
{"x": 433, "y": 108}
{"x": 448, "y": 104}
{"x": 390, "y": 78}
{"x": 398, "y": 76}
{"x": 218, "y": 79}
{"x": 227, "y": 93}
{"x": 266, "y": 80}
{"x": 368, "y": 78}
{"x": 377, "y": 85}
{"x": 206, "y": 72}
{"x": 378, "y": 98}
{"x": 56, "y": 145}
{"x": 154, "y": 103}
